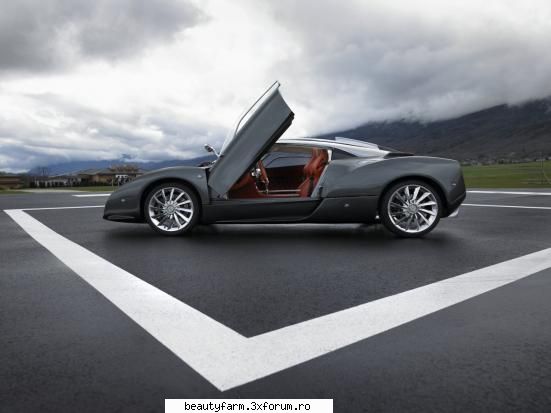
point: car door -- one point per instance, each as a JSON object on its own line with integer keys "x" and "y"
{"x": 260, "y": 209}
{"x": 268, "y": 120}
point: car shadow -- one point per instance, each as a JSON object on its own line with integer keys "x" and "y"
{"x": 338, "y": 234}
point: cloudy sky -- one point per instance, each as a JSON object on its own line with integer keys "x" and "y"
{"x": 156, "y": 79}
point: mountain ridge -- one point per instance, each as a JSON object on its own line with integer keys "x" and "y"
{"x": 502, "y": 132}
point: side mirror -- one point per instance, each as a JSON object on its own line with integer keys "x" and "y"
{"x": 209, "y": 148}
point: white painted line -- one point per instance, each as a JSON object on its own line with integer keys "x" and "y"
{"x": 203, "y": 343}
{"x": 505, "y": 206}
{"x": 510, "y": 193}
{"x": 90, "y": 195}
{"x": 228, "y": 359}
{"x": 50, "y": 208}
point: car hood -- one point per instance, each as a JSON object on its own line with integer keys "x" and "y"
{"x": 265, "y": 125}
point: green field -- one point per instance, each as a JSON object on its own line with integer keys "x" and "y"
{"x": 520, "y": 175}
{"x": 10, "y": 192}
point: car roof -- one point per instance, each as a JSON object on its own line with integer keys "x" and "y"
{"x": 352, "y": 146}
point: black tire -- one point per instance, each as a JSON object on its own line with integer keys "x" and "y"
{"x": 395, "y": 218}
{"x": 172, "y": 224}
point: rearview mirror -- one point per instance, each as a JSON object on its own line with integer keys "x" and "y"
{"x": 209, "y": 148}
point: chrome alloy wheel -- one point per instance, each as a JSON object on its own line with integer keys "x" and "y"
{"x": 412, "y": 208}
{"x": 170, "y": 209}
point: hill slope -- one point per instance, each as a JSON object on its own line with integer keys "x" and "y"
{"x": 501, "y": 132}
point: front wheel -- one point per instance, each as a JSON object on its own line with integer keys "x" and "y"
{"x": 410, "y": 209}
{"x": 171, "y": 208}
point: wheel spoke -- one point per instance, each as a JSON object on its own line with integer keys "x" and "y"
{"x": 402, "y": 200}
{"x": 162, "y": 221}
{"x": 415, "y": 193}
{"x": 409, "y": 222}
{"x": 186, "y": 219}
{"x": 402, "y": 219}
{"x": 427, "y": 204}
{"x": 171, "y": 194}
{"x": 423, "y": 218}
{"x": 426, "y": 211}
{"x": 426, "y": 194}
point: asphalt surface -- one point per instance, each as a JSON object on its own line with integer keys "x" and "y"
{"x": 65, "y": 347}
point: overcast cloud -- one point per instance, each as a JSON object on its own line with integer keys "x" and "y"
{"x": 156, "y": 79}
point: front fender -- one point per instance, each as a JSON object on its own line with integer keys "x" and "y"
{"x": 125, "y": 204}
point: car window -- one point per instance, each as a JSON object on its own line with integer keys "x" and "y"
{"x": 280, "y": 159}
{"x": 338, "y": 154}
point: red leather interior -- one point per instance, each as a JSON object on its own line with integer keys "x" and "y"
{"x": 313, "y": 171}
{"x": 246, "y": 186}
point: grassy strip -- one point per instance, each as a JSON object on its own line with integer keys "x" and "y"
{"x": 520, "y": 175}
{"x": 10, "y": 192}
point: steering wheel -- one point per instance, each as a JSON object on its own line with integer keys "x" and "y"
{"x": 263, "y": 174}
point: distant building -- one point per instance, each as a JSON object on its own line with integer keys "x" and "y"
{"x": 114, "y": 175}
{"x": 55, "y": 181}
{"x": 9, "y": 181}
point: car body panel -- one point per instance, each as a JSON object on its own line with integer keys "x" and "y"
{"x": 265, "y": 126}
{"x": 288, "y": 209}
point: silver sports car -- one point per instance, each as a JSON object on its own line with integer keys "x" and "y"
{"x": 260, "y": 178}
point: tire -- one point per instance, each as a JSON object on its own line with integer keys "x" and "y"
{"x": 410, "y": 209}
{"x": 172, "y": 208}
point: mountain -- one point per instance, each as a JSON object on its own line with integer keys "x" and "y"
{"x": 70, "y": 167}
{"x": 502, "y": 132}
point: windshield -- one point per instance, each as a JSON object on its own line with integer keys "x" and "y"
{"x": 247, "y": 115}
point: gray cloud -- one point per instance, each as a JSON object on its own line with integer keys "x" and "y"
{"x": 88, "y": 134}
{"x": 427, "y": 60}
{"x": 341, "y": 64}
{"x": 40, "y": 35}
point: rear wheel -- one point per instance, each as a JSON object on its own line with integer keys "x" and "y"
{"x": 171, "y": 208}
{"x": 411, "y": 209}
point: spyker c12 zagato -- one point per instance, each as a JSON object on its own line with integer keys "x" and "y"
{"x": 260, "y": 178}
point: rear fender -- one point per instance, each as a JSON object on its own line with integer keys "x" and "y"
{"x": 366, "y": 177}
